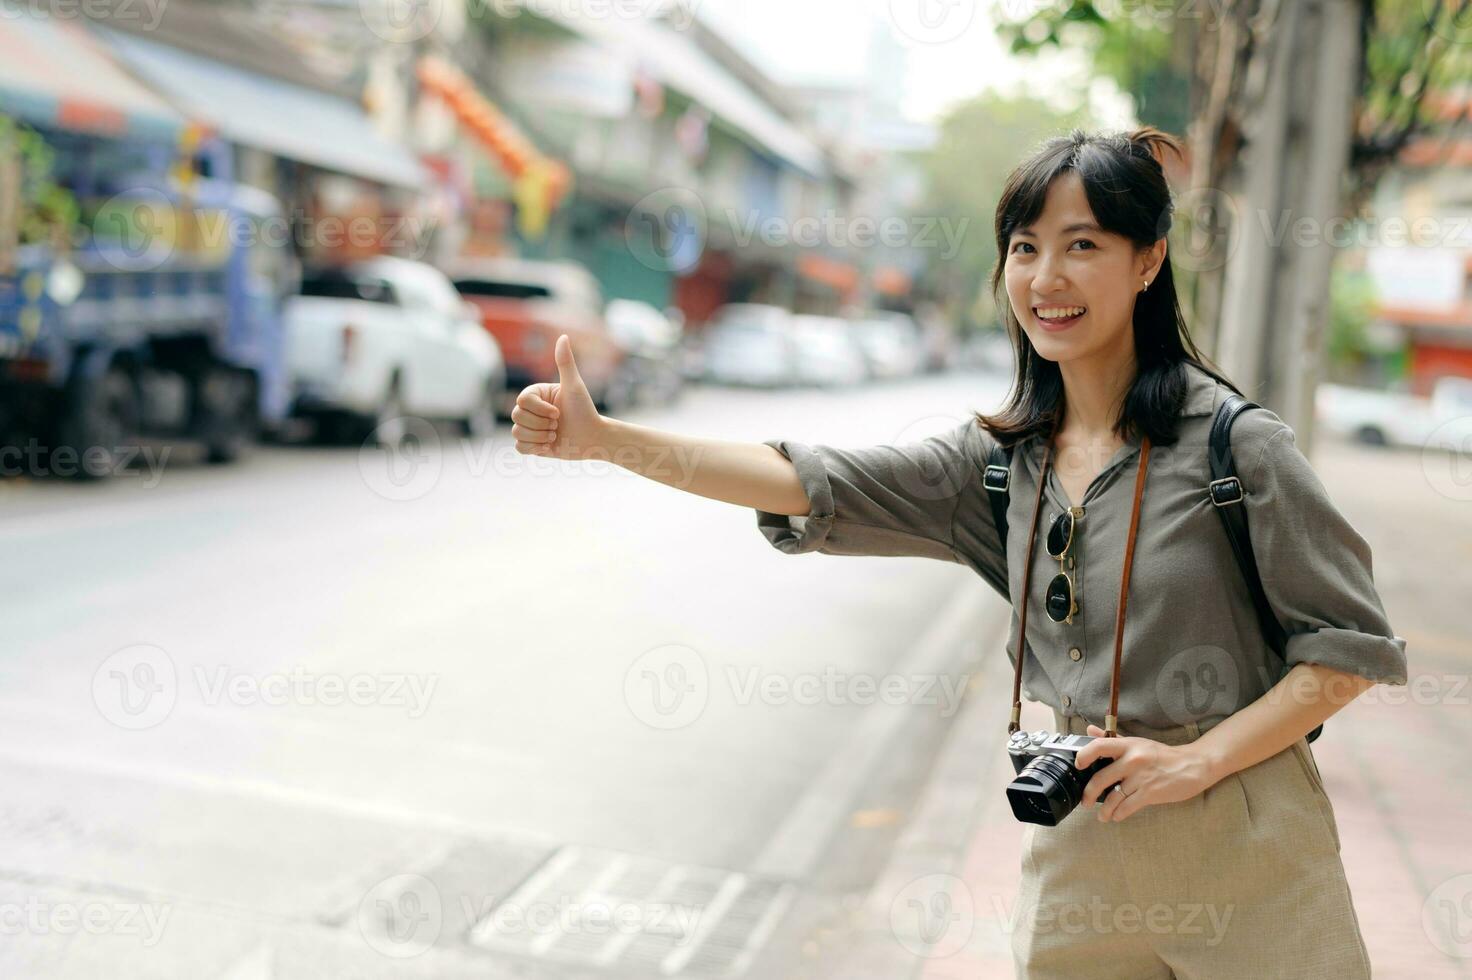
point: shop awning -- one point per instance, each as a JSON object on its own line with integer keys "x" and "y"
{"x": 54, "y": 72}
{"x": 256, "y": 110}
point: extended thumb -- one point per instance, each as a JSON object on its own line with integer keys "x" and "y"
{"x": 567, "y": 368}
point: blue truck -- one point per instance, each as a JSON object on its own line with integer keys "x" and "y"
{"x": 164, "y": 324}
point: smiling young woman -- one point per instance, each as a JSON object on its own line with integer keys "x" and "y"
{"x": 1210, "y": 801}
{"x": 1219, "y": 815}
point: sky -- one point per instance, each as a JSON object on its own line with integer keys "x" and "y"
{"x": 951, "y": 49}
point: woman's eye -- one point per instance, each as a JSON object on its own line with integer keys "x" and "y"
{"x": 1079, "y": 241}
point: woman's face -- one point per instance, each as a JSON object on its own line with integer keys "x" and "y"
{"x": 1065, "y": 261}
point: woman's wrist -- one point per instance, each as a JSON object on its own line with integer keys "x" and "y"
{"x": 606, "y": 438}
{"x": 1210, "y": 763}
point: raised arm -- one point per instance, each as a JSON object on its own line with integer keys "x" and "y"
{"x": 923, "y": 499}
{"x": 559, "y": 420}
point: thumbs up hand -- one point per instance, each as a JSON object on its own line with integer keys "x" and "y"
{"x": 556, "y": 419}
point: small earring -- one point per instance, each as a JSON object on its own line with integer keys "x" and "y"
{"x": 1147, "y": 284}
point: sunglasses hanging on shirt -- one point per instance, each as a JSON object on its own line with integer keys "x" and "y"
{"x": 1059, "y": 601}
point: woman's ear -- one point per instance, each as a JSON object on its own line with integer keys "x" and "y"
{"x": 1151, "y": 260}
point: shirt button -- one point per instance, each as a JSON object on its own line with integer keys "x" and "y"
{"x": 1074, "y": 653}
{"x": 1067, "y": 701}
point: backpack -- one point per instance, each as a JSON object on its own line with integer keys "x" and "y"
{"x": 1227, "y": 494}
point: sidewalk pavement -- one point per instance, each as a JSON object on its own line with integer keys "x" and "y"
{"x": 1393, "y": 764}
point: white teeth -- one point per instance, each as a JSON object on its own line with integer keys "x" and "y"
{"x": 1059, "y": 312}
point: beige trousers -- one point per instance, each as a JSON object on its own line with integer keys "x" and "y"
{"x": 1242, "y": 882}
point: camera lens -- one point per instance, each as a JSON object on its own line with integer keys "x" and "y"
{"x": 1047, "y": 789}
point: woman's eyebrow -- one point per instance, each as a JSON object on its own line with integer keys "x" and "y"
{"x": 1083, "y": 226}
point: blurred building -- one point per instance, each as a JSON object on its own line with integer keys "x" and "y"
{"x": 1418, "y": 253}
{"x": 880, "y": 151}
{"x": 647, "y": 148}
{"x": 243, "y": 110}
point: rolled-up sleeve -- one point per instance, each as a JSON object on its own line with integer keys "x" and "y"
{"x": 1316, "y": 569}
{"x": 893, "y": 500}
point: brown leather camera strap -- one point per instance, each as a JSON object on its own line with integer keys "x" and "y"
{"x": 1111, "y": 720}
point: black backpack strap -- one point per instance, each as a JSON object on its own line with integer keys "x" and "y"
{"x": 1227, "y": 494}
{"x": 997, "y": 479}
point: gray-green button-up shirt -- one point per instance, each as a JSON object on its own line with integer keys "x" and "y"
{"x": 1192, "y": 645}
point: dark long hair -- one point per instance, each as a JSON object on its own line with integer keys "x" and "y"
{"x": 1125, "y": 184}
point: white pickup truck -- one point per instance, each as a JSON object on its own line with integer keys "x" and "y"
{"x": 376, "y": 341}
{"x": 1388, "y": 418}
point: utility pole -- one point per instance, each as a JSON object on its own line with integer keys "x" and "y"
{"x": 1286, "y": 185}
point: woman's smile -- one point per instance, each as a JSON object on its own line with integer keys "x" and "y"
{"x": 1058, "y": 317}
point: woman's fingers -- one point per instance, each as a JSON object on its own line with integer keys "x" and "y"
{"x": 1103, "y": 779}
{"x": 531, "y": 419}
{"x": 534, "y": 419}
{"x": 1111, "y": 803}
{"x": 538, "y": 398}
{"x": 522, "y": 433}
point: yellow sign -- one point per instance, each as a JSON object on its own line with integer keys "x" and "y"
{"x": 532, "y": 193}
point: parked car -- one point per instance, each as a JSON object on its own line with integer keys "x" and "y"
{"x": 749, "y": 344}
{"x": 374, "y": 341}
{"x": 890, "y": 343}
{"x": 827, "y": 353}
{"x": 651, "y": 343}
{"x": 526, "y": 304}
{"x": 1389, "y": 418}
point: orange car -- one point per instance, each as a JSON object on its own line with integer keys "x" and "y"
{"x": 526, "y": 304}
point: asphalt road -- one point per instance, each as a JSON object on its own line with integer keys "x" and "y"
{"x": 311, "y": 715}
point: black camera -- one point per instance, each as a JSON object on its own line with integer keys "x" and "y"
{"x": 1047, "y": 787}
